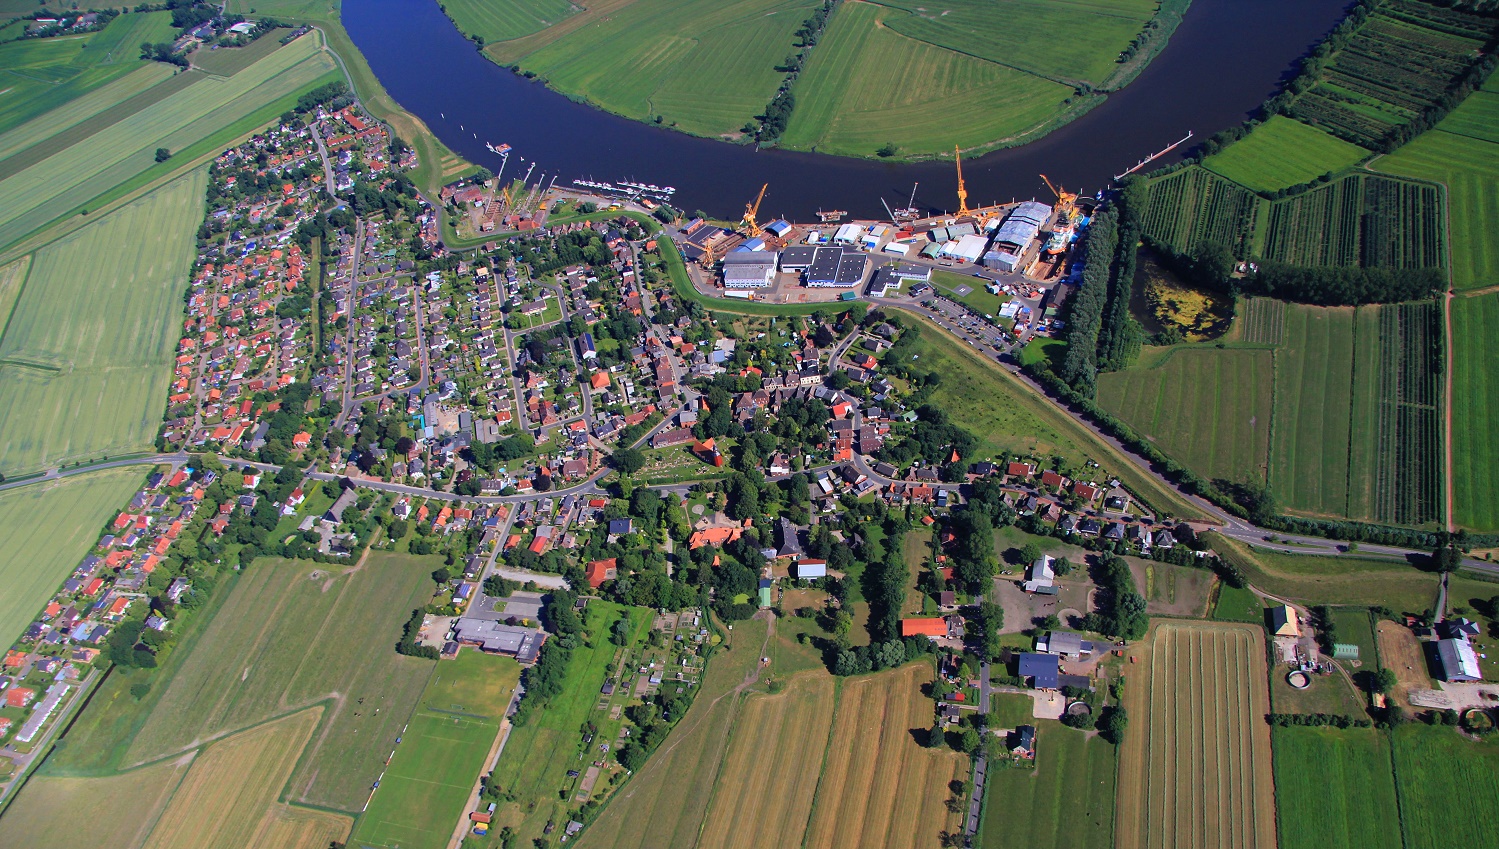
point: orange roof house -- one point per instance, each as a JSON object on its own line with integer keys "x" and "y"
{"x": 19, "y": 697}
{"x": 599, "y": 380}
{"x": 933, "y": 626}
{"x": 599, "y": 571}
{"x": 714, "y": 536}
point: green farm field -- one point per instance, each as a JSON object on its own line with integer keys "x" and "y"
{"x": 866, "y": 85}
{"x": 12, "y": 278}
{"x": 502, "y": 20}
{"x": 1189, "y": 729}
{"x": 45, "y": 529}
{"x": 1208, "y": 407}
{"x": 1434, "y": 766}
{"x": 539, "y": 753}
{"x": 1313, "y": 579}
{"x": 1283, "y": 152}
{"x": 442, "y": 752}
{"x": 86, "y": 355}
{"x": 114, "y": 155}
{"x": 1475, "y": 407}
{"x": 49, "y": 124}
{"x": 1334, "y": 789}
{"x": 1066, "y": 802}
{"x": 1313, "y": 410}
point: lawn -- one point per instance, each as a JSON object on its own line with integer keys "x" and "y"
{"x": 443, "y": 750}
{"x": 867, "y": 85}
{"x": 1353, "y": 626}
{"x": 539, "y": 753}
{"x": 1334, "y": 789}
{"x": 1190, "y": 729}
{"x": 1314, "y": 579}
{"x": 1448, "y": 787}
{"x": 1010, "y": 710}
{"x": 1283, "y": 152}
{"x": 1238, "y": 605}
{"x": 501, "y": 20}
{"x": 76, "y": 174}
{"x": 296, "y": 633}
{"x": 1208, "y": 407}
{"x": 45, "y": 529}
{"x": 1475, "y": 407}
{"x": 87, "y": 353}
{"x": 1066, "y": 802}
{"x": 980, "y": 298}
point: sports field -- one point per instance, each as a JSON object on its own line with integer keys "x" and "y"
{"x": 45, "y": 529}
{"x": 1311, "y": 579}
{"x": 431, "y": 776}
{"x": 1066, "y": 802}
{"x": 866, "y": 85}
{"x": 1195, "y": 763}
{"x": 82, "y": 169}
{"x": 293, "y": 634}
{"x": 1475, "y": 408}
{"x": 1449, "y": 787}
{"x": 501, "y": 20}
{"x": 1283, "y": 152}
{"x": 87, "y": 352}
{"x": 1208, "y": 407}
{"x": 1335, "y": 789}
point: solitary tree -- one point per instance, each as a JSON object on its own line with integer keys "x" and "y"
{"x": 162, "y": 154}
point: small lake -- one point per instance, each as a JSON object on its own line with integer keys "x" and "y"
{"x": 1223, "y": 61}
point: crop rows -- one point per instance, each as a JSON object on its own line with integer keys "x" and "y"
{"x": 1194, "y": 205}
{"x": 1359, "y": 221}
{"x": 1408, "y": 482}
{"x": 1264, "y": 320}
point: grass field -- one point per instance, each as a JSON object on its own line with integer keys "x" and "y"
{"x": 86, "y": 355}
{"x": 502, "y": 20}
{"x": 539, "y": 753}
{"x": 45, "y": 812}
{"x": 45, "y": 529}
{"x": 1238, "y": 605}
{"x": 1475, "y": 406}
{"x": 1434, "y": 767}
{"x": 69, "y": 114}
{"x": 1334, "y": 789}
{"x": 1196, "y": 705}
{"x": 866, "y": 85}
{"x": 83, "y": 169}
{"x": 979, "y": 298}
{"x": 1283, "y": 152}
{"x": 1313, "y": 410}
{"x": 12, "y": 278}
{"x": 1208, "y": 407}
{"x": 1313, "y": 579}
{"x": 1066, "y": 802}
{"x": 1010, "y": 710}
{"x": 444, "y": 748}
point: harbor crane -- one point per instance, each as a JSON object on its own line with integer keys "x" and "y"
{"x": 1065, "y": 199}
{"x": 750, "y": 211}
{"x": 962, "y": 189}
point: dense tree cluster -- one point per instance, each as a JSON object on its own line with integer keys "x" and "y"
{"x": 1121, "y": 608}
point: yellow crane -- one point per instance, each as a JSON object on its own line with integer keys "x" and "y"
{"x": 962, "y": 190}
{"x": 1065, "y": 199}
{"x": 750, "y": 211}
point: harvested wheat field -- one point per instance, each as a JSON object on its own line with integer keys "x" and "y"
{"x": 46, "y": 811}
{"x": 1195, "y": 767}
{"x": 285, "y": 827}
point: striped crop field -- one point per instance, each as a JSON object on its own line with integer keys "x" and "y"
{"x": 86, "y": 356}
{"x": 1262, "y": 321}
{"x": 1194, "y": 205}
{"x": 49, "y": 124}
{"x": 45, "y": 811}
{"x": 1359, "y": 220}
{"x": 1436, "y": 765}
{"x": 502, "y": 20}
{"x": 88, "y": 168}
{"x": 1475, "y": 408}
{"x": 1208, "y": 407}
{"x": 1195, "y": 764}
{"x": 1335, "y": 789}
{"x": 1281, "y": 153}
{"x": 866, "y": 85}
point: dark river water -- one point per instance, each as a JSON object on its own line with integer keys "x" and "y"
{"x": 1224, "y": 59}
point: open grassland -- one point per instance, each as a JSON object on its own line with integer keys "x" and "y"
{"x": 444, "y": 748}
{"x": 1448, "y": 787}
{"x": 1195, "y": 766}
{"x": 1335, "y": 789}
{"x": 46, "y": 813}
{"x": 1008, "y": 416}
{"x": 294, "y": 634}
{"x": 502, "y": 20}
{"x": 76, "y": 174}
{"x": 1022, "y": 33}
{"x": 231, "y": 785}
{"x": 704, "y": 68}
{"x": 1066, "y": 802}
{"x": 85, "y": 360}
{"x": 37, "y": 75}
{"x": 1358, "y": 220}
{"x": 766, "y": 792}
{"x": 1281, "y": 153}
{"x": 866, "y": 85}
{"x": 1312, "y": 579}
{"x": 1475, "y": 408}
{"x": 45, "y": 529}
{"x": 1462, "y": 153}
{"x": 533, "y": 768}
{"x": 1208, "y": 407}
{"x": 878, "y": 786}
{"x": 665, "y": 803}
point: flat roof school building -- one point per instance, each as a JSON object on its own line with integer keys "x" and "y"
{"x": 499, "y": 638}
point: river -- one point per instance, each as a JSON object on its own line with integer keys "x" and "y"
{"x": 1223, "y": 61}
